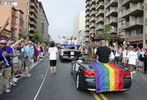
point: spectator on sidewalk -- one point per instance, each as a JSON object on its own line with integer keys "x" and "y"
{"x": 5, "y": 53}
{"x": 28, "y": 58}
{"x": 52, "y": 52}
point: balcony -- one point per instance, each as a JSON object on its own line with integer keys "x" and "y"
{"x": 100, "y": 5}
{"x": 113, "y": 31}
{"x": 133, "y": 24}
{"x": 87, "y": 14}
{"x": 32, "y": 23}
{"x": 99, "y": 27}
{"x": 100, "y": 20}
{"x": 136, "y": 9}
{"x": 32, "y": 4}
{"x": 112, "y": 3}
{"x": 92, "y": 13}
{"x": 92, "y": 19}
{"x": 87, "y": 24}
{"x": 32, "y": 17}
{"x": 87, "y": 8}
{"x": 92, "y": 2}
{"x": 92, "y": 7}
{"x": 113, "y": 11}
{"x": 86, "y": 29}
{"x": 87, "y": 19}
{"x": 124, "y": 2}
{"x": 100, "y": 13}
{"x": 107, "y": 3}
{"x": 92, "y": 25}
{"x": 126, "y": 13}
{"x": 113, "y": 20}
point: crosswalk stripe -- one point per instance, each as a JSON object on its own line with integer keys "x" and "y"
{"x": 96, "y": 96}
{"x": 104, "y": 98}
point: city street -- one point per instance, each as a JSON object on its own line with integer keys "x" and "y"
{"x": 44, "y": 86}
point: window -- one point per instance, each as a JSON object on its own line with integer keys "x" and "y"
{"x": 15, "y": 32}
{"x": 12, "y": 19}
{"x": 10, "y": 3}
{"x": 16, "y": 20}
{"x": 11, "y": 32}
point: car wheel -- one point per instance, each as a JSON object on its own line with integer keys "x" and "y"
{"x": 78, "y": 85}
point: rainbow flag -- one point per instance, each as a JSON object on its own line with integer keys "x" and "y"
{"x": 109, "y": 77}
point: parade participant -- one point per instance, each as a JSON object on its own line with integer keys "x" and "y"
{"x": 103, "y": 53}
{"x": 52, "y": 52}
{"x": 132, "y": 60}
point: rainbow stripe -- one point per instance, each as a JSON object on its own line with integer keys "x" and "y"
{"x": 109, "y": 77}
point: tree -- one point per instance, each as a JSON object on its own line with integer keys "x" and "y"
{"x": 105, "y": 32}
{"x": 22, "y": 36}
{"x": 35, "y": 37}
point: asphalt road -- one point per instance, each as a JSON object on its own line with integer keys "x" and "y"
{"x": 44, "y": 86}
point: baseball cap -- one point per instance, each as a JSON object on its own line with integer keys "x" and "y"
{"x": 3, "y": 41}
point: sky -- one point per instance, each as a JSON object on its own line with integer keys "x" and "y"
{"x": 61, "y": 15}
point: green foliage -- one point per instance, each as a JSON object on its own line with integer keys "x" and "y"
{"x": 105, "y": 32}
{"x": 22, "y": 36}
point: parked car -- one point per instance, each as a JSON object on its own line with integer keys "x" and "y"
{"x": 83, "y": 74}
{"x": 69, "y": 52}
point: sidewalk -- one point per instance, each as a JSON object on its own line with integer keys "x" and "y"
{"x": 32, "y": 66}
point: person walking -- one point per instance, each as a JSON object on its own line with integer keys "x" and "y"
{"x": 145, "y": 62}
{"x": 52, "y": 52}
{"x": 132, "y": 61}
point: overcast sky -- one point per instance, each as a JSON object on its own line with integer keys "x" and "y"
{"x": 61, "y": 15}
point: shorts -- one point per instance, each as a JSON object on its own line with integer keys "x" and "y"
{"x": 27, "y": 63}
{"x": 141, "y": 63}
{"x": 124, "y": 60}
{"x": 16, "y": 67}
{"x": 52, "y": 62}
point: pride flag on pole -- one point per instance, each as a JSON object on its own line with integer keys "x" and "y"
{"x": 109, "y": 77}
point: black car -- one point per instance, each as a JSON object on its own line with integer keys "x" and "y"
{"x": 83, "y": 74}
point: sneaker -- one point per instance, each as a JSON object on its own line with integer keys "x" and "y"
{"x": 12, "y": 83}
{"x": 29, "y": 75}
{"x": 15, "y": 80}
{"x": 7, "y": 90}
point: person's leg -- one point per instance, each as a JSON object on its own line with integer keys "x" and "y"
{"x": 55, "y": 66}
{"x": 145, "y": 68}
{"x": 7, "y": 75}
{"x": 51, "y": 69}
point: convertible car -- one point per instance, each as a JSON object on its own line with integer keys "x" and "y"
{"x": 99, "y": 77}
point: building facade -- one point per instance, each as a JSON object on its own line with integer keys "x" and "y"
{"x": 127, "y": 19}
{"x": 79, "y": 27}
{"x": 43, "y": 24}
{"x": 15, "y": 20}
{"x": 29, "y": 7}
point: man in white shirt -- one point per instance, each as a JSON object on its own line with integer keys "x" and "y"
{"x": 132, "y": 60}
{"x": 53, "y": 57}
{"x": 124, "y": 56}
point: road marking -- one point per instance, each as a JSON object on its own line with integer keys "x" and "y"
{"x": 143, "y": 77}
{"x": 104, "y": 98}
{"x": 41, "y": 84}
{"x": 96, "y": 96}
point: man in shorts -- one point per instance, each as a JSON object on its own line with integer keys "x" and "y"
{"x": 28, "y": 58}
{"x": 52, "y": 52}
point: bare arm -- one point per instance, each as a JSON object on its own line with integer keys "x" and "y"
{"x": 4, "y": 26}
{"x": 15, "y": 44}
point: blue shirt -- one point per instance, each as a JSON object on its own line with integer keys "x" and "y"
{"x": 6, "y": 59}
{"x": 28, "y": 49}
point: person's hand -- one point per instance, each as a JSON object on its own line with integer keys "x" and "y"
{"x": 17, "y": 54}
{"x": 4, "y": 54}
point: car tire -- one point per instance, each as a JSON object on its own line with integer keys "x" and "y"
{"x": 78, "y": 82}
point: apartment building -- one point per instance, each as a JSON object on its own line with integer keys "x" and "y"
{"x": 133, "y": 21}
{"x": 79, "y": 27}
{"x": 43, "y": 24}
{"x": 29, "y": 7}
{"x": 15, "y": 20}
{"x": 127, "y": 19}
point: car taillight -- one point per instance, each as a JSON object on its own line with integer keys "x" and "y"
{"x": 88, "y": 73}
{"x": 127, "y": 74}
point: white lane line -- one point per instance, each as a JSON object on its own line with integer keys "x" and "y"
{"x": 143, "y": 77}
{"x": 41, "y": 84}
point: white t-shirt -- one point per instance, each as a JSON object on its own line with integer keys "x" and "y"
{"x": 117, "y": 53}
{"x": 132, "y": 56}
{"x": 53, "y": 53}
{"x": 125, "y": 53}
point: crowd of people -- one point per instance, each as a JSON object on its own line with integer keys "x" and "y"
{"x": 16, "y": 58}
{"x": 125, "y": 55}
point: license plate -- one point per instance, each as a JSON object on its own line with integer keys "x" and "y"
{"x": 71, "y": 53}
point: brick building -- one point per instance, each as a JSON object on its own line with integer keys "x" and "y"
{"x": 15, "y": 20}
{"x": 29, "y": 7}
